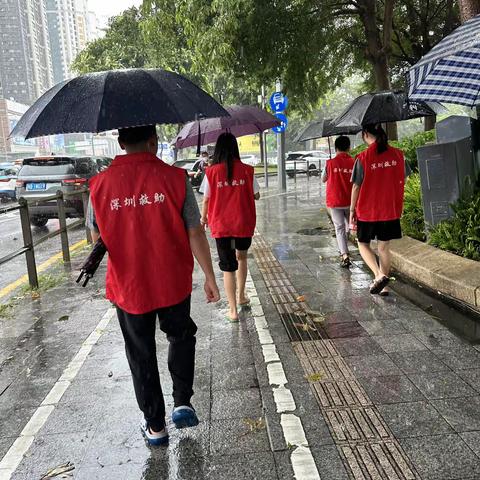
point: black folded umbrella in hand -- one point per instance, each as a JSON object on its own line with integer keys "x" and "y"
{"x": 92, "y": 262}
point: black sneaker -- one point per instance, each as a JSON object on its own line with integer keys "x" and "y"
{"x": 345, "y": 263}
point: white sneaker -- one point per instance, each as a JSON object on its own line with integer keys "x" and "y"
{"x": 158, "y": 438}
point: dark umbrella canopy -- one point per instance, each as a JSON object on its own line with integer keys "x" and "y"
{"x": 324, "y": 128}
{"x": 372, "y": 108}
{"x": 243, "y": 120}
{"x": 103, "y": 101}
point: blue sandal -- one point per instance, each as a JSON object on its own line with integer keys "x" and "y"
{"x": 184, "y": 417}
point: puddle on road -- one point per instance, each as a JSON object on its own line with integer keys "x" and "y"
{"x": 460, "y": 319}
{"x": 312, "y": 231}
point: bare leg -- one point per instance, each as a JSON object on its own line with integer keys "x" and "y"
{"x": 230, "y": 290}
{"x": 242, "y": 275}
{"x": 385, "y": 257}
{"x": 369, "y": 258}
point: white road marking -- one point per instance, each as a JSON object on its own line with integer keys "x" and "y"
{"x": 20, "y": 447}
{"x": 303, "y": 463}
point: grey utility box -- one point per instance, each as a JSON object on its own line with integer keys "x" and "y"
{"x": 445, "y": 170}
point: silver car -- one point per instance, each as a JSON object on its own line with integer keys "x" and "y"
{"x": 41, "y": 177}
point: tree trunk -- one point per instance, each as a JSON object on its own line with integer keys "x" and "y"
{"x": 468, "y": 9}
{"x": 378, "y": 49}
{"x": 429, "y": 123}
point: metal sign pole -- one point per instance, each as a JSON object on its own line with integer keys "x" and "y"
{"x": 282, "y": 176}
{"x": 265, "y": 151}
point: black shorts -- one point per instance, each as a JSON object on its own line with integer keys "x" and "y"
{"x": 226, "y": 251}
{"x": 383, "y": 231}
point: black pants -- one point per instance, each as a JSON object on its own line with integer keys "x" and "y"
{"x": 139, "y": 334}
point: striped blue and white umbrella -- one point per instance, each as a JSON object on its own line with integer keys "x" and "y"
{"x": 450, "y": 72}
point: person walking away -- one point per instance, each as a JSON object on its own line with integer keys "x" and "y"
{"x": 230, "y": 190}
{"x": 337, "y": 176}
{"x": 147, "y": 216}
{"x": 377, "y": 201}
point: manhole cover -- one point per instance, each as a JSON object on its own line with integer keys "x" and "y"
{"x": 311, "y": 231}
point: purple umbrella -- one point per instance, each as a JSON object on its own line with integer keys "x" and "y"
{"x": 243, "y": 120}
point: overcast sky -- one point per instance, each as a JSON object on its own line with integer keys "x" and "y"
{"x": 111, "y": 7}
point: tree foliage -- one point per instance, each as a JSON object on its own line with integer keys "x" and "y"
{"x": 123, "y": 46}
{"x": 233, "y": 47}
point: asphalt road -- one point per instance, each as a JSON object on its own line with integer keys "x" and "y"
{"x": 11, "y": 240}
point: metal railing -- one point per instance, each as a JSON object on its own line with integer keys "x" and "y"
{"x": 316, "y": 171}
{"x": 29, "y": 244}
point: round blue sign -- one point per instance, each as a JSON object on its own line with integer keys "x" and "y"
{"x": 278, "y": 102}
{"x": 281, "y": 128}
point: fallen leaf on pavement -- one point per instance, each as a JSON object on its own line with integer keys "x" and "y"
{"x": 35, "y": 295}
{"x": 305, "y": 327}
{"x": 314, "y": 377}
{"x": 59, "y": 470}
{"x": 301, "y": 298}
{"x": 254, "y": 424}
{"x": 63, "y": 318}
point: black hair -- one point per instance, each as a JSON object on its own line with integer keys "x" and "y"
{"x": 380, "y": 135}
{"x": 135, "y": 135}
{"x": 342, "y": 143}
{"x": 226, "y": 151}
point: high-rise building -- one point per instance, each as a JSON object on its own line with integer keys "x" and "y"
{"x": 64, "y": 36}
{"x": 25, "y": 62}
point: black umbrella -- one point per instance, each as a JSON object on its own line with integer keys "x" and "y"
{"x": 103, "y": 101}
{"x": 372, "y": 108}
{"x": 92, "y": 262}
{"x": 324, "y": 128}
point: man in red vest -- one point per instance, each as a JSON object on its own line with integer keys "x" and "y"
{"x": 148, "y": 218}
{"x": 337, "y": 174}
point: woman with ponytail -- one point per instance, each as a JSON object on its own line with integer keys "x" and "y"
{"x": 230, "y": 190}
{"x": 377, "y": 202}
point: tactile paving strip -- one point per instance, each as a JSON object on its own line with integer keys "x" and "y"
{"x": 367, "y": 446}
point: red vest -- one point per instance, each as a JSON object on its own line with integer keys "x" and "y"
{"x": 231, "y": 206}
{"x": 138, "y": 204}
{"x": 381, "y": 193}
{"x": 339, "y": 186}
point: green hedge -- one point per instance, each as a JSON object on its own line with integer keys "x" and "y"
{"x": 461, "y": 233}
{"x": 413, "y": 223}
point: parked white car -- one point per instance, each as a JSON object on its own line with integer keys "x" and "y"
{"x": 305, "y": 161}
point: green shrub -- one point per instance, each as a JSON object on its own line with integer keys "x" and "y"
{"x": 408, "y": 145}
{"x": 413, "y": 223}
{"x": 461, "y": 233}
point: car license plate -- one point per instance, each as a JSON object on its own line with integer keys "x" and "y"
{"x": 36, "y": 186}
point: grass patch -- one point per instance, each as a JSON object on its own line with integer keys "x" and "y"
{"x": 260, "y": 169}
{"x": 46, "y": 282}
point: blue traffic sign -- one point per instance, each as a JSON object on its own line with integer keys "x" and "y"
{"x": 281, "y": 128}
{"x": 278, "y": 102}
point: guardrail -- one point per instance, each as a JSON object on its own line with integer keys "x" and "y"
{"x": 29, "y": 244}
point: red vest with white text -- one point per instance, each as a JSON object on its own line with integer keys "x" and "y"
{"x": 339, "y": 186}
{"x": 381, "y": 192}
{"x": 231, "y": 206}
{"x": 138, "y": 203}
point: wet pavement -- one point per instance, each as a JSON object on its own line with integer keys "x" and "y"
{"x": 318, "y": 380}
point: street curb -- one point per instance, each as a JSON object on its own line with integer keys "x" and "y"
{"x": 441, "y": 271}
{"x": 452, "y": 276}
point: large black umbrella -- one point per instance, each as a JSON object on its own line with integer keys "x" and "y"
{"x": 372, "y": 108}
{"x": 324, "y": 128}
{"x": 103, "y": 101}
